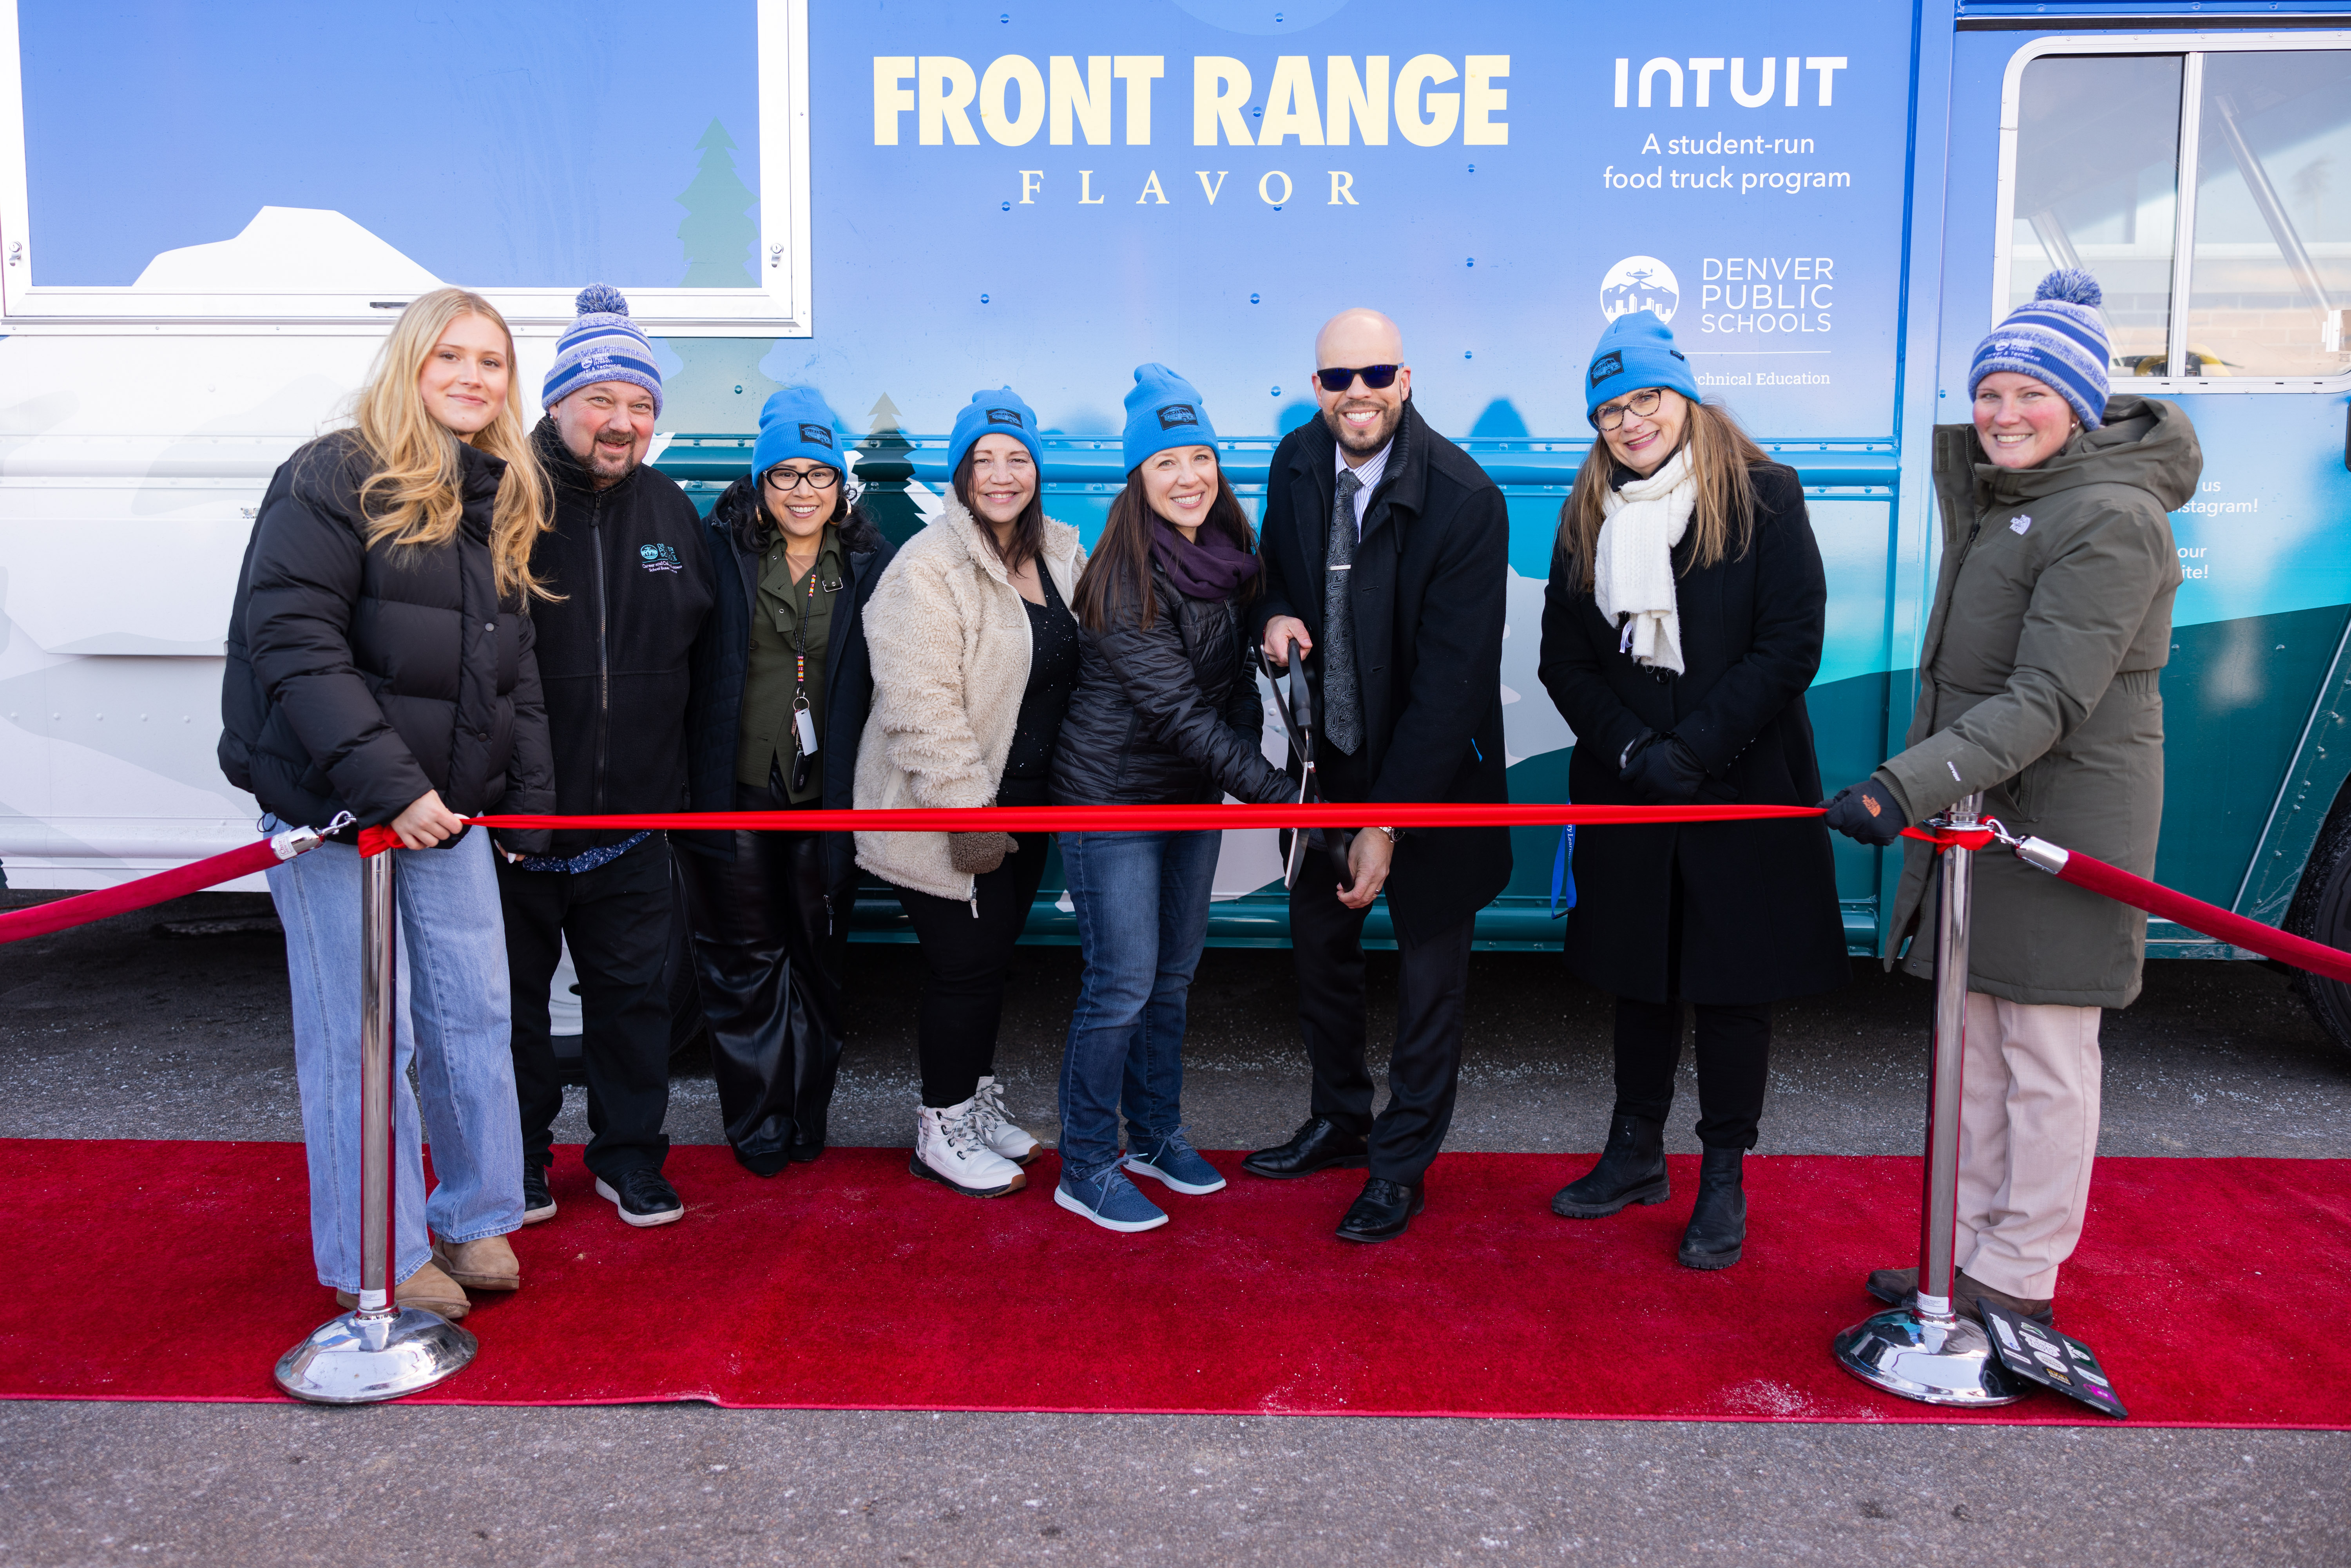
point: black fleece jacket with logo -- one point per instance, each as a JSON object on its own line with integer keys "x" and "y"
{"x": 616, "y": 651}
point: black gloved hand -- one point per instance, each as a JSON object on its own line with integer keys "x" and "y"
{"x": 1866, "y": 813}
{"x": 1664, "y": 770}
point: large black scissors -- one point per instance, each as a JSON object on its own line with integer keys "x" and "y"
{"x": 1292, "y": 699}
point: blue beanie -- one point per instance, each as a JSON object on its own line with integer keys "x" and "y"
{"x": 796, "y": 423}
{"x": 1635, "y": 350}
{"x": 997, "y": 412}
{"x": 2059, "y": 338}
{"x": 603, "y": 345}
{"x": 1163, "y": 410}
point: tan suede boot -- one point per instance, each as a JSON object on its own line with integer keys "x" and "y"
{"x": 488, "y": 1264}
{"x": 428, "y": 1288}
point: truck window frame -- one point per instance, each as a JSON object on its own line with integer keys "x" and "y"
{"x": 2191, "y": 46}
{"x": 780, "y": 306}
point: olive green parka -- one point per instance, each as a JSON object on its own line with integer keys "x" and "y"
{"x": 2039, "y": 685}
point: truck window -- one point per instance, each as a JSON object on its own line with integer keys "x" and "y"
{"x": 2271, "y": 283}
{"x": 2097, "y": 180}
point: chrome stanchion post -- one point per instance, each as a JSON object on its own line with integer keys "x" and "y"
{"x": 380, "y": 1350}
{"x": 1926, "y": 1351}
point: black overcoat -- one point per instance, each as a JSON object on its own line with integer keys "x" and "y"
{"x": 1760, "y": 919}
{"x": 1431, "y": 587}
{"x": 722, "y": 662}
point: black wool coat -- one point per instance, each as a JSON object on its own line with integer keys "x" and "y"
{"x": 1431, "y": 586}
{"x": 730, "y": 539}
{"x": 360, "y": 677}
{"x": 616, "y": 649}
{"x": 1167, "y": 715}
{"x": 1759, "y": 905}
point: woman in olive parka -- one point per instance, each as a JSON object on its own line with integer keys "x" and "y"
{"x": 2039, "y": 685}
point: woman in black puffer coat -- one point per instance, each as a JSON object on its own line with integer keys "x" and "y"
{"x": 1166, "y": 713}
{"x": 380, "y": 664}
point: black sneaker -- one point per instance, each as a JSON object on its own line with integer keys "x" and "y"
{"x": 538, "y": 1202}
{"x": 645, "y": 1198}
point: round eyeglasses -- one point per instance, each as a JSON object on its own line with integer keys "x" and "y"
{"x": 1641, "y": 405}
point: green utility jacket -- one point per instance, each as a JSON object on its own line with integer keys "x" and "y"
{"x": 2039, "y": 685}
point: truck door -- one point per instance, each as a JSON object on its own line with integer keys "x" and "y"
{"x": 2204, "y": 177}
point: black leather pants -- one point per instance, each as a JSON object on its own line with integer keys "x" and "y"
{"x": 770, "y": 949}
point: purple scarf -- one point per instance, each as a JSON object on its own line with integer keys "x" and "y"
{"x": 1213, "y": 568}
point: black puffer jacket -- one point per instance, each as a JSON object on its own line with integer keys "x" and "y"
{"x": 616, "y": 651}
{"x": 722, "y": 664}
{"x": 358, "y": 677}
{"x": 1167, "y": 716}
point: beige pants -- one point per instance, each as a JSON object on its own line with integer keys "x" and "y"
{"x": 2028, "y": 1134}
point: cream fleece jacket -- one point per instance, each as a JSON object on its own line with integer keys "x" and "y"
{"x": 949, "y": 639}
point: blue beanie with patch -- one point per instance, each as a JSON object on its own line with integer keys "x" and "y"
{"x": 997, "y": 412}
{"x": 797, "y": 423}
{"x": 1635, "y": 351}
{"x": 2059, "y": 339}
{"x": 1163, "y": 410}
{"x": 603, "y": 345}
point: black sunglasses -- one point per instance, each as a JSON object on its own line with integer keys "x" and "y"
{"x": 1375, "y": 377}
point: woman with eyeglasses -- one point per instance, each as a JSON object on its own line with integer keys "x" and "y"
{"x": 974, "y": 655}
{"x": 774, "y": 725}
{"x": 1682, "y": 623}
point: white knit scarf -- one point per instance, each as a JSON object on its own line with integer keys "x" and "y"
{"x": 1633, "y": 564}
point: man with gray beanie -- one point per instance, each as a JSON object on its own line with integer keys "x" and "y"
{"x": 2038, "y": 687}
{"x": 623, "y": 557}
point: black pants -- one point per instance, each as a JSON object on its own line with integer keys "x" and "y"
{"x": 1734, "y": 1051}
{"x": 617, "y": 919}
{"x": 1326, "y": 941}
{"x": 966, "y": 955}
{"x": 771, "y": 948}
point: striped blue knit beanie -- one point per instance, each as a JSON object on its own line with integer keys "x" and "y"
{"x": 2060, "y": 339}
{"x": 603, "y": 345}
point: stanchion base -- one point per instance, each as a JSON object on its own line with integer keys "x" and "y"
{"x": 1934, "y": 1362}
{"x": 358, "y": 1360}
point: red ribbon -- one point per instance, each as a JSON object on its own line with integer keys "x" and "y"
{"x": 1948, "y": 838}
{"x": 1127, "y": 819}
{"x": 58, "y": 913}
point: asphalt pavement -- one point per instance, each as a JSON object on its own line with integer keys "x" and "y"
{"x": 172, "y": 1023}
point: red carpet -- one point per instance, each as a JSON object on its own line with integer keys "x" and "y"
{"x": 2213, "y": 1290}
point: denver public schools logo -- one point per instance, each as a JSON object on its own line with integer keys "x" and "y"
{"x": 659, "y": 557}
{"x": 811, "y": 435}
{"x": 1004, "y": 416}
{"x": 1640, "y": 283}
{"x": 1173, "y": 415}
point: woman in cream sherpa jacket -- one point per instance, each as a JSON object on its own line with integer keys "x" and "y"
{"x": 950, "y": 644}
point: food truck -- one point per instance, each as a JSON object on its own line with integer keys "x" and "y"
{"x": 208, "y": 217}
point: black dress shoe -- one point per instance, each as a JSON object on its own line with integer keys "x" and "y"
{"x": 1382, "y": 1211}
{"x": 1320, "y": 1145}
{"x": 803, "y": 1154}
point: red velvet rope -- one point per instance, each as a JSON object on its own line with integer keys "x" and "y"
{"x": 58, "y": 913}
{"x": 2210, "y": 919}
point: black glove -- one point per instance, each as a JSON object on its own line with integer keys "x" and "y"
{"x": 1664, "y": 770}
{"x": 1866, "y": 813}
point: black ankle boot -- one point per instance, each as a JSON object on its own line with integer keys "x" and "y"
{"x": 1718, "y": 1227}
{"x": 1632, "y": 1169}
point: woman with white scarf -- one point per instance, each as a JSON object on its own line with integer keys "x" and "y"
{"x": 1682, "y": 623}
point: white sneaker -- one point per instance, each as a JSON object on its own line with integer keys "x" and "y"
{"x": 949, "y": 1150}
{"x": 997, "y": 1131}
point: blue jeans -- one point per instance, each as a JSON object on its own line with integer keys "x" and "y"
{"x": 452, "y": 1021}
{"x": 1142, "y": 902}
